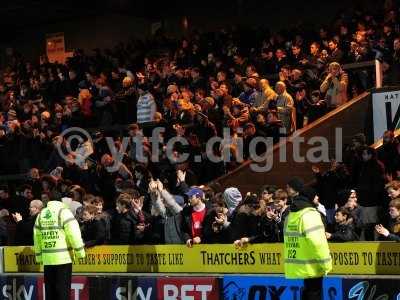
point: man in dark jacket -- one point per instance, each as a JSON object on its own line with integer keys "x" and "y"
{"x": 123, "y": 229}
{"x": 144, "y": 233}
{"x": 329, "y": 184}
{"x": 370, "y": 188}
{"x": 343, "y": 230}
{"x": 22, "y": 201}
{"x": 93, "y": 229}
{"x": 388, "y": 154}
{"x": 24, "y": 232}
{"x": 5, "y": 200}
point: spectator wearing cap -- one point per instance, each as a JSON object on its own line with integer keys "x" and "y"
{"x": 192, "y": 217}
{"x": 248, "y": 96}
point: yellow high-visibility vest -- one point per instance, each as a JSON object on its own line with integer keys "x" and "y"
{"x": 306, "y": 251}
{"x": 57, "y": 235}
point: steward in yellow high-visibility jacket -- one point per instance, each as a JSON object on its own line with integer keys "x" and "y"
{"x": 306, "y": 251}
{"x": 56, "y": 238}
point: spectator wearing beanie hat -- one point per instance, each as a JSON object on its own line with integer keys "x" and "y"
{"x": 232, "y": 197}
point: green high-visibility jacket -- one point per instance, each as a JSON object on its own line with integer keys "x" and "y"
{"x": 57, "y": 236}
{"x": 306, "y": 251}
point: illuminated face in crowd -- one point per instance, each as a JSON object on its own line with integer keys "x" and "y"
{"x": 394, "y": 212}
{"x": 296, "y": 50}
{"x": 392, "y": 193}
{"x": 194, "y": 200}
{"x": 267, "y": 197}
{"x": 352, "y": 201}
{"x": 313, "y": 49}
{"x": 28, "y": 194}
{"x": 280, "y": 203}
{"x": 99, "y": 206}
{"x": 396, "y": 44}
{"x": 332, "y": 46}
{"x": 340, "y": 218}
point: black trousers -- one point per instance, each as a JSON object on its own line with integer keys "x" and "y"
{"x": 312, "y": 289}
{"x": 57, "y": 281}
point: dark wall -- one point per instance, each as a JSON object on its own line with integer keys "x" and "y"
{"x": 87, "y": 33}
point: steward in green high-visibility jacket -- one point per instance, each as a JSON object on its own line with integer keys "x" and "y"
{"x": 56, "y": 232}
{"x": 306, "y": 252}
{"x": 56, "y": 238}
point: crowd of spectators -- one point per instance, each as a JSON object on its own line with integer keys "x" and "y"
{"x": 254, "y": 84}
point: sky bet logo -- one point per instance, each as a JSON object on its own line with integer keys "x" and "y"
{"x": 130, "y": 292}
{"x": 16, "y": 291}
{"x": 32, "y": 288}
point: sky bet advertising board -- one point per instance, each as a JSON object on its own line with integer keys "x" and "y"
{"x": 257, "y": 287}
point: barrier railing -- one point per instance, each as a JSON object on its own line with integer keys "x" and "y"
{"x": 366, "y": 258}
